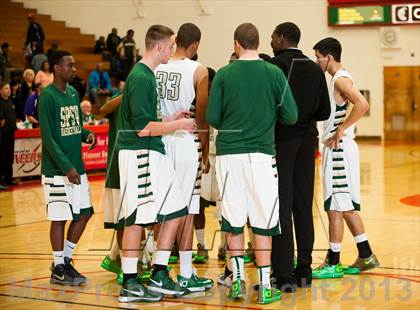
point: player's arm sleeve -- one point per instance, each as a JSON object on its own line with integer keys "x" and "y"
{"x": 139, "y": 93}
{"x": 324, "y": 108}
{"x": 46, "y": 117}
{"x": 215, "y": 104}
{"x": 287, "y": 111}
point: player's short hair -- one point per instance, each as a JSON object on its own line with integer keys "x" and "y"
{"x": 289, "y": 31}
{"x": 247, "y": 36}
{"x": 187, "y": 34}
{"x": 57, "y": 57}
{"x": 157, "y": 33}
{"x": 329, "y": 46}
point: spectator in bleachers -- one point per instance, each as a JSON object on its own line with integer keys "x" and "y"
{"x": 35, "y": 33}
{"x": 27, "y": 87}
{"x": 31, "y": 112}
{"x": 52, "y": 49}
{"x": 99, "y": 45}
{"x": 86, "y": 108}
{"x": 5, "y": 62}
{"x": 38, "y": 59}
{"x": 112, "y": 42}
{"x": 15, "y": 96}
{"x": 7, "y": 136}
{"x": 99, "y": 83}
{"x": 127, "y": 52}
{"x": 44, "y": 76}
{"x": 80, "y": 85}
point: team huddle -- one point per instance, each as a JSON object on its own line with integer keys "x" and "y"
{"x": 159, "y": 151}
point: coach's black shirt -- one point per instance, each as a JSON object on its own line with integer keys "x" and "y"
{"x": 309, "y": 88}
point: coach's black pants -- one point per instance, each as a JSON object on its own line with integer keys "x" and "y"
{"x": 7, "y": 149}
{"x": 296, "y": 165}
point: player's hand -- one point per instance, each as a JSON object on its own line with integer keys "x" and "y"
{"x": 177, "y": 115}
{"x": 188, "y": 124}
{"x": 2, "y": 123}
{"x": 334, "y": 141}
{"x": 73, "y": 176}
{"x": 91, "y": 139}
{"x": 206, "y": 165}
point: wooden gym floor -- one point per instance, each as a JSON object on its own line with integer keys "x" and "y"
{"x": 390, "y": 185}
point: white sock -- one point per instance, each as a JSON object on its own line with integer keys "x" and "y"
{"x": 223, "y": 239}
{"x": 238, "y": 267}
{"x": 264, "y": 276}
{"x": 161, "y": 257}
{"x": 58, "y": 257}
{"x": 129, "y": 264}
{"x": 251, "y": 236}
{"x": 335, "y": 247}
{"x": 69, "y": 249}
{"x": 185, "y": 264}
{"x": 199, "y": 233}
{"x": 150, "y": 244}
{"x": 360, "y": 238}
{"x": 142, "y": 249}
{"x": 115, "y": 250}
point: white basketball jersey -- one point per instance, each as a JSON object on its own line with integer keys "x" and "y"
{"x": 175, "y": 81}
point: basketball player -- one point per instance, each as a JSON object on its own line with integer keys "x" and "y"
{"x": 183, "y": 88}
{"x": 340, "y": 165}
{"x": 112, "y": 195}
{"x": 64, "y": 179}
{"x": 246, "y": 99}
{"x": 150, "y": 190}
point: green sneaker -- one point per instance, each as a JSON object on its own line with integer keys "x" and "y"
{"x": 237, "y": 290}
{"x": 202, "y": 255}
{"x": 143, "y": 277}
{"x": 133, "y": 290}
{"x": 161, "y": 282}
{"x": 268, "y": 295}
{"x": 364, "y": 264}
{"x": 195, "y": 283}
{"x": 326, "y": 271}
{"x": 351, "y": 270}
{"x": 113, "y": 266}
{"x": 249, "y": 256}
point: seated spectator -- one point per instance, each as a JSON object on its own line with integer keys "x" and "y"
{"x": 112, "y": 42}
{"x": 99, "y": 83}
{"x": 7, "y": 134}
{"x": 80, "y": 85}
{"x": 99, "y": 45}
{"x": 44, "y": 76}
{"x": 15, "y": 96}
{"x": 27, "y": 87}
{"x": 52, "y": 49}
{"x": 5, "y": 62}
{"x": 31, "y": 112}
{"x": 38, "y": 59}
{"x": 86, "y": 108}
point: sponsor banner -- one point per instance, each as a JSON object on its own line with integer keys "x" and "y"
{"x": 28, "y": 147}
{"x": 27, "y": 158}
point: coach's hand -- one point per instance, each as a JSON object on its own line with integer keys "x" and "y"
{"x": 73, "y": 176}
{"x": 91, "y": 139}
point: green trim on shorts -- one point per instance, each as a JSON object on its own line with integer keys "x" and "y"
{"x": 231, "y": 229}
{"x": 327, "y": 204}
{"x": 167, "y": 217}
{"x": 266, "y": 232}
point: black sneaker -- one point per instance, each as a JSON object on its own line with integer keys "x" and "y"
{"x": 63, "y": 276}
{"x": 78, "y": 278}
